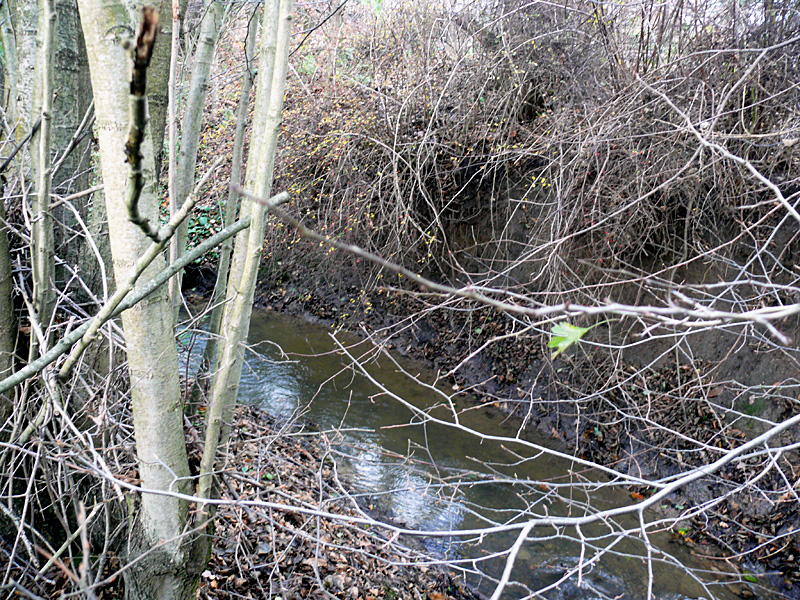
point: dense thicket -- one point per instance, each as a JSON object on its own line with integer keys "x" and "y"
{"x": 588, "y": 154}
{"x": 632, "y": 167}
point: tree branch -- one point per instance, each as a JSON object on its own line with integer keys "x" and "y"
{"x": 141, "y": 54}
{"x": 106, "y": 312}
{"x": 143, "y": 292}
{"x": 695, "y": 315}
{"x": 34, "y": 128}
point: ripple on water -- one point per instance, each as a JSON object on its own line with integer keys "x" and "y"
{"x": 379, "y": 441}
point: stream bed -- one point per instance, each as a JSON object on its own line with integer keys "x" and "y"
{"x": 435, "y": 477}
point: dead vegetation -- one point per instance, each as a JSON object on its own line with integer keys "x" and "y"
{"x": 584, "y": 155}
{"x": 260, "y": 552}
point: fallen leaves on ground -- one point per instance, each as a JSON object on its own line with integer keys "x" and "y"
{"x": 271, "y": 553}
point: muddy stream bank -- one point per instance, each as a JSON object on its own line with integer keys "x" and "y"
{"x": 430, "y": 476}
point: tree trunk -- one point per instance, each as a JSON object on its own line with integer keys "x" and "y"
{"x": 66, "y": 68}
{"x": 23, "y": 14}
{"x": 42, "y": 241}
{"x": 165, "y": 560}
{"x": 232, "y": 205}
{"x": 158, "y": 80}
{"x": 276, "y": 31}
{"x": 7, "y": 321}
{"x": 192, "y": 122}
{"x": 72, "y": 99}
{"x": 11, "y": 71}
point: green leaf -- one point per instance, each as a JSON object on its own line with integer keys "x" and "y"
{"x": 749, "y": 577}
{"x": 564, "y": 335}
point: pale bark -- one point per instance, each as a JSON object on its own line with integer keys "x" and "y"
{"x": 10, "y": 84}
{"x": 158, "y": 535}
{"x": 247, "y": 251}
{"x": 195, "y": 101}
{"x": 192, "y": 122}
{"x": 22, "y": 30}
{"x": 174, "y": 283}
{"x": 44, "y": 54}
{"x": 26, "y": 27}
{"x": 42, "y": 241}
{"x": 7, "y": 321}
{"x": 24, "y": 21}
{"x": 232, "y": 205}
{"x": 63, "y": 58}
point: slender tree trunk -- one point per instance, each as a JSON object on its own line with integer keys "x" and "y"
{"x": 192, "y": 122}
{"x": 166, "y": 564}
{"x": 276, "y": 31}
{"x": 42, "y": 241}
{"x": 174, "y": 205}
{"x": 158, "y": 79}
{"x": 232, "y": 205}
{"x": 7, "y": 321}
{"x": 11, "y": 72}
{"x": 22, "y": 35}
{"x": 8, "y": 325}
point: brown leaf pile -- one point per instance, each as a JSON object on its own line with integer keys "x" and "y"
{"x": 262, "y": 553}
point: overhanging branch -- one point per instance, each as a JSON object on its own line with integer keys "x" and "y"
{"x": 143, "y": 292}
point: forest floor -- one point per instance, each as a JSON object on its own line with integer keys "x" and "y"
{"x": 279, "y": 552}
{"x": 261, "y": 553}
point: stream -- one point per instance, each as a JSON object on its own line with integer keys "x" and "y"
{"x": 435, "y": 477}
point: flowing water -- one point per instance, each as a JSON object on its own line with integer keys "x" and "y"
{"x": 434, "y": 477}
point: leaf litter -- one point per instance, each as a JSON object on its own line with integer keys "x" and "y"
{"x": 261, "y": 553}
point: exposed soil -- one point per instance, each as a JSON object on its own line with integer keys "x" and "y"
{"x": 517, "y": 377}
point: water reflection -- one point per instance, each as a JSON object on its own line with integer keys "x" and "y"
{"x": 436, "y": 478}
